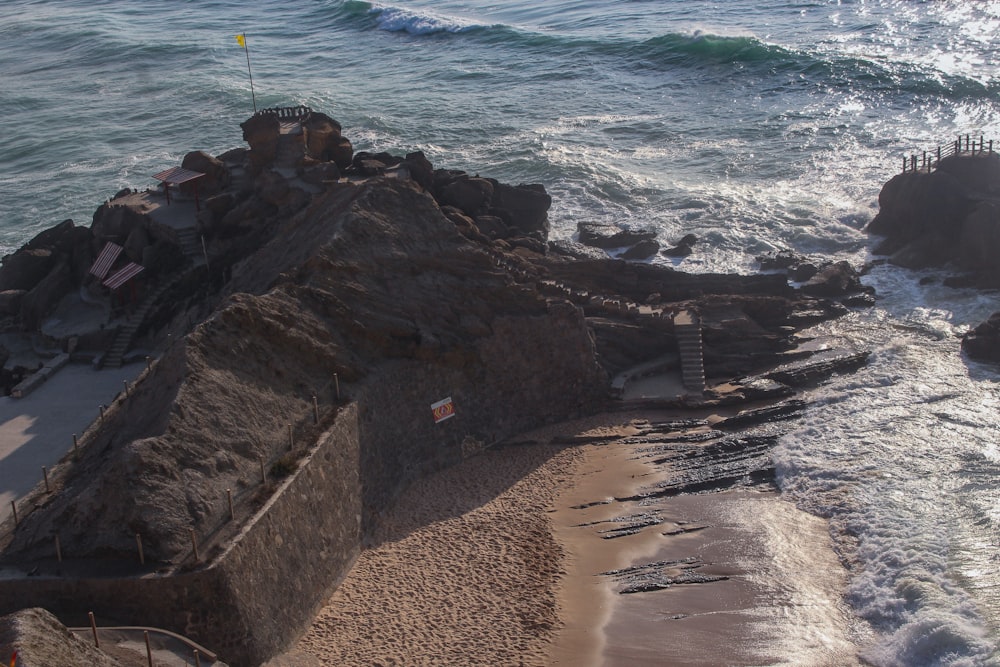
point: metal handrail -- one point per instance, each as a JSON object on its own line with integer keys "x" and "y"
{"x": 964, "y": 145}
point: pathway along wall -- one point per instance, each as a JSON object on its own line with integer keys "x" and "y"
{"x": 262, "y": 591}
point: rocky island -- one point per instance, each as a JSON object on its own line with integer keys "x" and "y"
{"x": 297, "y": 308}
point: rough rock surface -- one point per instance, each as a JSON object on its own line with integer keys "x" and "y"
{"x": 983, "y": 342}
{"x": 40, "y": 639}
{"x": 948, "y": 215}
{"x": 367, "y": 277}
{"x": 601, "y": 235}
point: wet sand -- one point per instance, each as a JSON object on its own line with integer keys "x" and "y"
{"x": 502, "y": 560}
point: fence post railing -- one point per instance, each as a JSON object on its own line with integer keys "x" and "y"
{"x": 930, "y": 160}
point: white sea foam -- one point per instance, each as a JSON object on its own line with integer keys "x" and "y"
{"x": 395, "y": 19}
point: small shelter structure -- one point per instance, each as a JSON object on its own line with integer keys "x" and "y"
{"x": 178, "y": 176}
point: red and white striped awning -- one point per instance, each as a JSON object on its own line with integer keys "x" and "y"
{"x": 106, "y": 259}
{"x": 177, "y": 175}
{"x": 123, "y": 275}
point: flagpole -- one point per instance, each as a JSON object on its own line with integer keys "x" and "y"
{"x": 242, "y": 38}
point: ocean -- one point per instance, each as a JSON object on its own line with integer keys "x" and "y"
{"x": 758, "y": 126}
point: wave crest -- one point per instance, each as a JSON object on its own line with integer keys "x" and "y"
{"x": 396, "y": 19}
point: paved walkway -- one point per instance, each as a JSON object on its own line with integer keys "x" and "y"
{"x": 37, "y": 430}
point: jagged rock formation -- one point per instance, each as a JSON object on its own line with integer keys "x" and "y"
{"x": 373, "y": 283}
{"x": 948, "y": 215}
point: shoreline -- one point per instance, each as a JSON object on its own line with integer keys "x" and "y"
{"x": 475, "y": 567}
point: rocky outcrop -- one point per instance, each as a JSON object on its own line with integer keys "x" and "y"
{"x": 216, "y": 174}
{"x": 948, "y": 215}
{"x": 683, "y": 248}
{"x": 983, "y": 342}
{"x": 605, "y": 236}
{"x": 372, "y": 283}
{"x": 499, "y": 210}
{"x": 38, "y": 638}
{"x": 324, "y": 141}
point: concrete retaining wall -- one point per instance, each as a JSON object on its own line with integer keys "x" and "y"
{"x": 256, "y": 597}
{"x": 264, "y": 590}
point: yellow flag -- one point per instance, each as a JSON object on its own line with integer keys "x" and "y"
{"x": 241, "y": 40}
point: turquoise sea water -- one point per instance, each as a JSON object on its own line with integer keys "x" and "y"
{"x": 755, "y": 125}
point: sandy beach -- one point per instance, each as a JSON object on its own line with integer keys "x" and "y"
{"x": 506, "y": 560}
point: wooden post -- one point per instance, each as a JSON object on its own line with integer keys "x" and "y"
{"x": 138, "y": 546}
{"x": 336, "y": 382}
{"x": 263, "y": 476}
{"x": 45, "y": 475}
{"x": 93, "y": 628}
{"x": 149, "y": 650}
{"x": 197, "y": 658}
{"x": 149, "y": 363}
{"x": 102, "y": 413}
{"x": 125, "y": 383}
{"x": 13, "y": 507}
{"x": 194, "y": 545}
{"x": 58, "y": 549}
{"x": 232, "y": 510}
{"x": 76, "y": 445}
{"x": 315, "y": 410}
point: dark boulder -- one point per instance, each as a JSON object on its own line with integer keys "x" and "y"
{"x": 113, "y": 222}
{"x": 983, "y": 342}
{"x": 322, "y": 136}
{"x": 420, "y": 168}
{"x": 528, "y": 206}
{"x": 216, "y": 176}
{"x": 575, "y": 250}
{"x": 26, "y": 268}
{"x": 602, "y": 235}
{"x": 342, "y": 153}
{"x": 44, "y": 297}
{"x": 837, "y": 279}
{"x": 979, "y": 173}
{"x": 683, "y": 248}
{"x": 53, "y": 237}
{"x": 642, "y": 250}
{"x": 918, "y": 205}
{"x": 471, "y": 195}
{"x": 979, "y": 242}
{"x": 262, "y": 131}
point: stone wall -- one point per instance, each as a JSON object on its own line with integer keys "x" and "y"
{"x": 256, "y": 597}
{"x": 260, "y": 593}
{"x": 533, "y": 370}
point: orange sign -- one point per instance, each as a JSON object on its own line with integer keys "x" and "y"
{"x": 443, "y": 409}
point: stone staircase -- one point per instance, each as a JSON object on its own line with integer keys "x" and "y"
{"x": 687, "y": 328}
{"x": 115, "y": 355}
{"x": 190, "y": 244}
{"x": 291, "y": 146}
